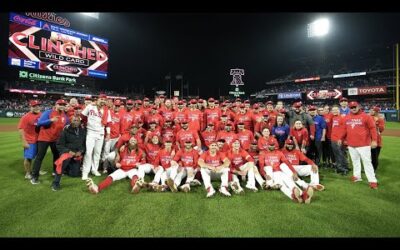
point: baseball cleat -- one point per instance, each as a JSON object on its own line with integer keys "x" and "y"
{"x": 195, "y": 183}
{"x": 318, "y": 187}
{"x": 355, "y": 179}
{"x": 224, "y": 191}
{"x": 171, "y": 185}
{"x": 265, "y": 186}
{"x": 96, "y": 173}
{"x": 85, "y": 177}
{"x": 252, "y": 188}
{"x": 296, "y": 196}
{"x": 373, "y": 185}
{"x": 307, "y": 195}
{"x": 185, "y": 188}
{"x": 93, "y": 188}
{"x": 234, "y": 186}
{"x": 210, "y": 192}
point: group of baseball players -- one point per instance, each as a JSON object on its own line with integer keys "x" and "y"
{"x": 184, "y": 144}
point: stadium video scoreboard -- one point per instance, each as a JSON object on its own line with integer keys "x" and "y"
{"x": 42, "y": 45}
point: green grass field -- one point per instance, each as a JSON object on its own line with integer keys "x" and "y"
{"x": 344, "y": 209}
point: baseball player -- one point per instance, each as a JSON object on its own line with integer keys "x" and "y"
{"x": 276, "y": 168}
{"x": 164, "y": 159}
{"x": 245, "y": 136}
{"x": 98, "y": 116}
{"x": 211, "y": 114}
{"x": 380, "y": 126}
{"x": 151, "y": 166}
{"x": 194, "y": 116}
{"x": 29, "y": 135}
{"x": 300, "y": 136}
{"x": 184, "y": 164}
{"x": 263, "y": 141}
{"x": 186, "y": 134}
{"x": 128, "y": 161}
{"x": 214, "y": 165}
{"x": 361, "y": 136}
{"x": 338, "y": 150}
{"x": 295, "y": 156}
{"x": 51, "y": 123}
{"x": 244, "y": 117}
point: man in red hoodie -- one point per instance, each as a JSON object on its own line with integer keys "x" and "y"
{"x": 361, "y": 136}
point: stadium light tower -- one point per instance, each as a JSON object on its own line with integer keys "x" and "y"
{"x": 318, "y": 28}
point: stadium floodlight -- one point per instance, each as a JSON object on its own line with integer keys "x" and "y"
{"x": 318, "y": 28}
{"x": 91, "y": 14}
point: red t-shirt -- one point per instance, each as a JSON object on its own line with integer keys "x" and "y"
{"x": 245, "y": 137}
{"x": 301, "y": 136}
{"x": 184, "y": 135}
{"x": 195, "y": 118}
{"x": 263, "y": 143}
{"x": 246, "y": 119}
{"x": 337, "y": 131}
{"x": 152, "y": 151}
{"x": 187, "y": 158}
{"x": 211, "y": 115}
{"x": 28, "y": 123}
{"x": 380, "y": 127}
{"x": 255, "y": 155}
{"x": 229, "y": 137}
{"x": 125, "y": 121}
{"x": 164, "y": 158}
{"x": 179, "y": 116}
{"x": 295, "y": 156}
{"x": 130, "y": 160}
{"x": 359, "y": 130}
{"x": 213, "y": 161}
{"x": 114, "y": 125}
{"x": 167, "y": 113}
{"x": 52, "y": 133}
{"x": 208, "y": 137}
{"x": 273, "y": 159}
{"x": 238, "y": 159}
{"x": 138, "y": 115}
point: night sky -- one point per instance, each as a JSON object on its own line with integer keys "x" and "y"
{"x": 145, "y": 47}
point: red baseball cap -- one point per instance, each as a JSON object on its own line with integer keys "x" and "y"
{"x": 211, "y": 99}
{"x": 353, "y": 104}
{"x": 242, "y": 106}
{"x": 282, "y": 111}
{"x": 168, "y": 141}
{"x": 129, "y": 102}
{"x": 216, "y": 102}
{"x": 297, "y": 104}
{"x": 180, "y": 102}
{"x": 184, "y": 121}
{"x": 102, "y": 96}
{"x": 88, "y": 97}
{"x": 343, "y": 99}
{"x": 224, "y": 105}
{"x": 256, "y": 106}
{"x": 117, "y": 102}
{"x": 78, "y": 107}
{"x": 238, "y": 100}
{"x": 193, "y": 101}
{"x": 146, "y": 99}
{"x": 240, "y": 123}
{"x": 161, "y": 96}
{"x": 247, "y": 101}
{"x": 289, "y": 141}
{"x": 229, "y": 124}
{"x": 270, "y": 103}
{"x": 271, "y": 142}
{"x": 188, "y": 141}
{"x": 138, "y": 102}
{"x": 61, "y": 102}
{"x": 34, "y": 103}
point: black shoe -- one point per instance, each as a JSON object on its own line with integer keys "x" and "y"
{"x": 55, "y": 187}
{"x": 34, "y": 181}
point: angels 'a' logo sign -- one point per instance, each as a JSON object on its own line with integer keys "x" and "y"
{"x": 237, "y": 77}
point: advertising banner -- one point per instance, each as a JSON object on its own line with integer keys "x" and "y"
{"x": 289, "y": 95}
{"x": 324, "y": 94}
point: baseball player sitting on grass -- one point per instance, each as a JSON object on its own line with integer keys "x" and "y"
{"x": 127, "y": 162}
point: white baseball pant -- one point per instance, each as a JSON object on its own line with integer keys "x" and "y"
{"x": 209, "y": 175}
{"x": 251, "y": 181}
{"x": 289, "y": 172}
{"x": 363, "y": 153}
{"x": 188, "y": 172}
{"x": 108, "y": 148}
{"x": 149, "y": 168}
{"x": 120, "y": 174}
{"x": 170, "y": 172}
{"x": 286, "y": 182}
{"x": 94, "y": 144}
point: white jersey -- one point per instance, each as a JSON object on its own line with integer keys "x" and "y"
{"x": 94, "y": 117}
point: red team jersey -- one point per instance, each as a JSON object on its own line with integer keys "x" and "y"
{"x": 152, "y": 151}
{"x": 229, "y": 137}
{"x": 380, "y": 127}
{"x": 337, "y": 128}
{"x": 130, "y": 160}
{"x": 187, "y": 158}
{"x": 238, "y": 159}
{"x": 114, "y": 125}
{"x": 301, "y": 136}
{"x": 245, "y": 137}
{"x": 208, "y": 137}
{"x": 246, "y": 119}
{"x": 195, "y": 118}
{"x": 164, "y": 158}
{"x": 125, "y": 121}
{"x": 137, "y": 115}
{"x": 211, "y": 116}
{"x": 328, "y": 121}
{"x": 359, "y": 129}
{"x": 296, "y": 156}
{"x": 213, "y": 161}
{"x": 184, "y": 135}
{"x": 28, "y": 123}
{"x": 263, "y": 143}
{"x": 273, "y": 159}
